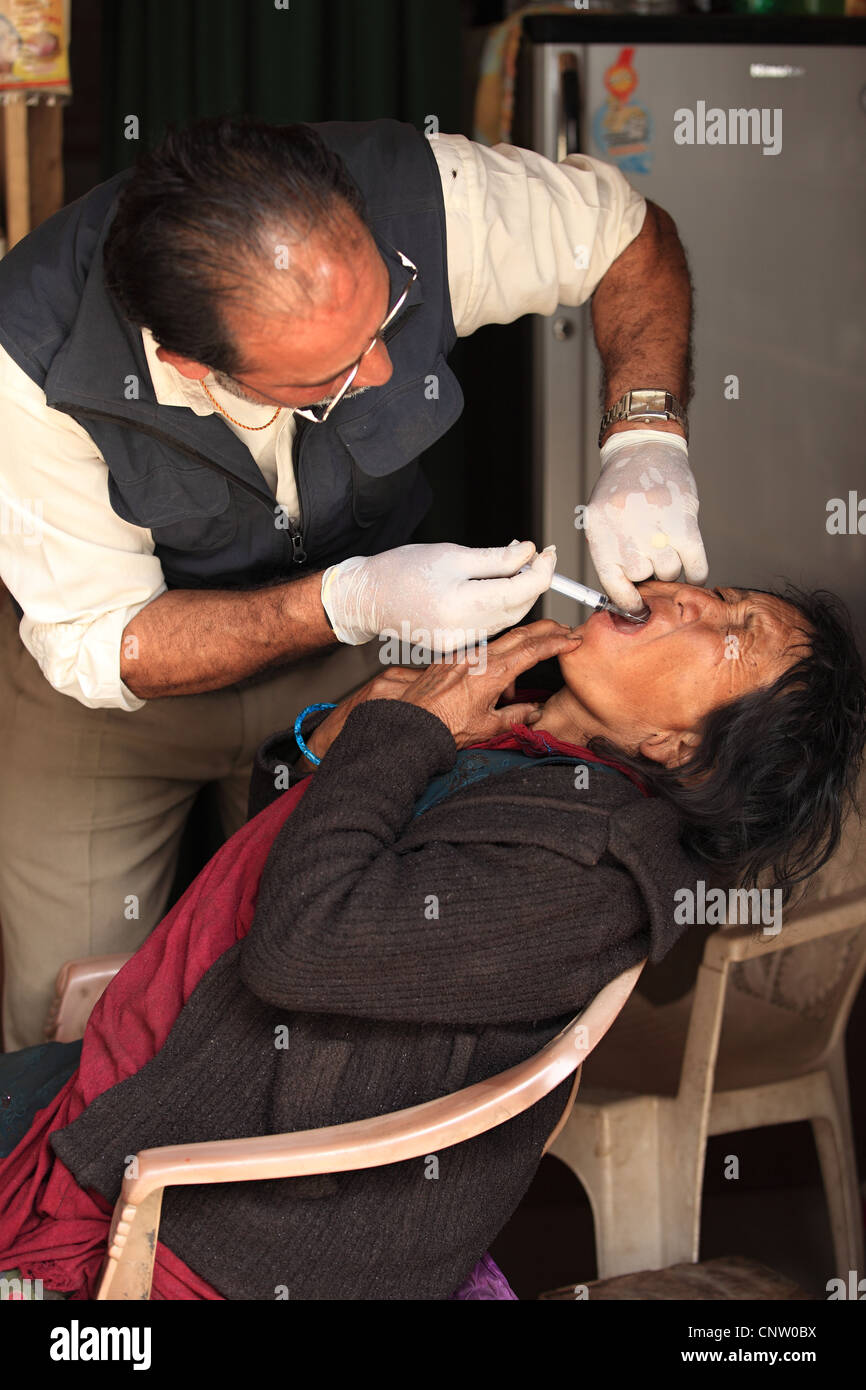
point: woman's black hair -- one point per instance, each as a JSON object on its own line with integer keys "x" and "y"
{"x": 198, "y": 221}
{"x": 768, "y": 788}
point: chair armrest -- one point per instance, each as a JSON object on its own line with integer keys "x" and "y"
{"x": 370, "y": 1143}
{"x": 78, "y": 985}
{"x": 382, "y": 1139}
{"x": 807, "y": 923}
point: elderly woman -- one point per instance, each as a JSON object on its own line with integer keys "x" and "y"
{"x": 452, "y": 883}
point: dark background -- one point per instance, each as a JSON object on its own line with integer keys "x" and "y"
{"x": 172, "y": 60}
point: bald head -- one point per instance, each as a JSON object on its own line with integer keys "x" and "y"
{"x": 226, "y": 215}
{"x": 306, "y": 326}
{"x": 297, "y": 274}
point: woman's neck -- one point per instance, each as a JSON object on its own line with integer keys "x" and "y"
{"x": 565, "y": 719}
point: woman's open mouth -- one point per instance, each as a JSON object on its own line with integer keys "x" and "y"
{"x": 624, "y": 625}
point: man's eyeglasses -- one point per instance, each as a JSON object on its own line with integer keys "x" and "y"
{"x": 319, "y": 413}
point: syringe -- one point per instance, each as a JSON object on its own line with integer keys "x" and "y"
{"x": 593, "y": 599}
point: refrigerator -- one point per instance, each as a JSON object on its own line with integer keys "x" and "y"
{"x": 776, "y": 244}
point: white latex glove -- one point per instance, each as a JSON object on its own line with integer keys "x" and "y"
{"x": 449, "y": 588}
{"x": 642, "y": 515}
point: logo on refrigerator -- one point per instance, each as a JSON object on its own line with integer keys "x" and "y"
{"x": 621, "y": 127}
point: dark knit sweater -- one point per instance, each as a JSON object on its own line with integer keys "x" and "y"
{"x": 544, "y": 893}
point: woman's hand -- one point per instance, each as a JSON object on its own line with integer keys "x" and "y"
{"x": 464, "y": 695}
{"x": 387, "y": 686}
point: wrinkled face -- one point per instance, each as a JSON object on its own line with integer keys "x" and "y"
{"x": 700, "y": 649}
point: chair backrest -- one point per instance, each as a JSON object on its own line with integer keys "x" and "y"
{"x": 732, "y": 952}
{"x": 812, "y": 967}
{"x": 382, "y": 1139}
{"x": 817, "y": 980}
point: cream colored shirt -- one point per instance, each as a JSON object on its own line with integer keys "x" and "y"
{"x": 524, "y": 234}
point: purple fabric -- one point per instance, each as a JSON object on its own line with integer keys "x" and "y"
{"x": 486, "y": 1281}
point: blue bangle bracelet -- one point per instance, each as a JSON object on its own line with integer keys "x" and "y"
{"x": 311, "y": 757}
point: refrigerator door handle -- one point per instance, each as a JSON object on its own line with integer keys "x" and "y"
{"x": 568, "y": 134}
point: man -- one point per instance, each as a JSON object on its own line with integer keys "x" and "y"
{"x": 217, "y": 375}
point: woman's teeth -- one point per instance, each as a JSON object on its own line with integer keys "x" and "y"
{"x": 623, "y": 624}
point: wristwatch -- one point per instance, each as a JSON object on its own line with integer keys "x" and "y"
{"x": 650, "y": 403}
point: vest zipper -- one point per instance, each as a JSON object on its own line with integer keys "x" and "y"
{"x": 296, "y": 533}
{"x": 299, "y": 554}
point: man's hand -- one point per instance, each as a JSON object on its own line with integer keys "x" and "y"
{"x": 642, "y": 516}
{"x": 452, "y": 594}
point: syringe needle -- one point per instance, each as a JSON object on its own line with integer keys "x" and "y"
{"x": 593, "y": 598}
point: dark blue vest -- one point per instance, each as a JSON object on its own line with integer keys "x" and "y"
{"x": 189, "y": 479}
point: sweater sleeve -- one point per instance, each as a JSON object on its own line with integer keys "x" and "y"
{"x": 278, "y": 766}
{"x": 462, "y": 931}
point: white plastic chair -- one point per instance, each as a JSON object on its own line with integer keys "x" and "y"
{"x": 78, "y": 985}
{"x": 759, "y": 1040}
{"x": 422, "y": 1129}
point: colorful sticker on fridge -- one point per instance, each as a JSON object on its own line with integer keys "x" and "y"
{"x": 620, "y": 127}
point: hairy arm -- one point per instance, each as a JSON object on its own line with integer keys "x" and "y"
{"x": 190, "y": 640}
{"x": 642, "y": 316}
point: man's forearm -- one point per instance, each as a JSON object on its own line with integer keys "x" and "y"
{"x": 191, "y": 640}
{"x": 642, "y": 315}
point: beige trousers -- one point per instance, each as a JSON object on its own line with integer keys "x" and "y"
{"x": 93, "y": 803}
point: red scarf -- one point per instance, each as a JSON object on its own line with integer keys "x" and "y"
{"x": 54, "y": 1230}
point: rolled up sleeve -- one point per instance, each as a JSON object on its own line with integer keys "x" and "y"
{"x": 525, "y": 233}
{"x": 78, "y": 570}
{"x": 82, "y": 659}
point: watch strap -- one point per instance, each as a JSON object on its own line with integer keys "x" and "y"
{"x": 644, "y": 404}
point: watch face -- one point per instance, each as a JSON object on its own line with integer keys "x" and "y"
{"x": 649, "y": 400}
